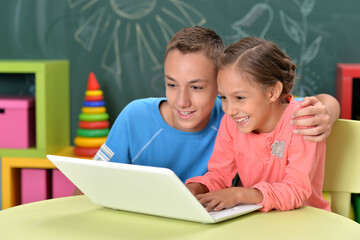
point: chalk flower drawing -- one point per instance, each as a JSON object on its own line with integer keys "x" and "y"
{"x": 258, "y": 20}
{"x": 260, "y": 16}
{"x": 298, "y": 33}
{"x": 137, "y": 20}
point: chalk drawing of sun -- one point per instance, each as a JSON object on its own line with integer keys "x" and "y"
{"x": 148, "y": 23}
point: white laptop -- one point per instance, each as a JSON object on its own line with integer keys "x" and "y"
{"x": 141, "y": 189}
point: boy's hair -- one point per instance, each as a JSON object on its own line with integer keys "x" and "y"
{"x": 261, "y": 61}
{"x": 196, "y": 39}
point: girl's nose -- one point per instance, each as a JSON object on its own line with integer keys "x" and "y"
{"x": 230, "y": 109}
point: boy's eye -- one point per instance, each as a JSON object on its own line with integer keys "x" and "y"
{"x": 240, "y": 98}
{"x": 170, "y": 85}
{"x": 222, "y": 97}
{"x": 198, "y": 87}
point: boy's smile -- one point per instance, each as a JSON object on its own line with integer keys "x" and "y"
{"x": 185, "y": 115}
{"x": 191, "y": 90}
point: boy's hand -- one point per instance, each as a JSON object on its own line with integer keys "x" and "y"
{"x": 317, "y": 120}
{"x": 77, "y": 192}
{"x": 197, "y": 188}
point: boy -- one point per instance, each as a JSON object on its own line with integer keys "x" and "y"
{"x": 179, "y": 131}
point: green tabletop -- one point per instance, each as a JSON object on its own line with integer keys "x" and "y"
{"x": 78, "y": 218}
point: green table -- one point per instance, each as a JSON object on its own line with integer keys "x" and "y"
{"x": 78, "y": 218}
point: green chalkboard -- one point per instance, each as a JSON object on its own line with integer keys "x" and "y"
{"x": 123, "y": 41}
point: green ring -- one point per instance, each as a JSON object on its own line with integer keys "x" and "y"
{"x": 93, "y": 132}
{"x": 93, "y": 117}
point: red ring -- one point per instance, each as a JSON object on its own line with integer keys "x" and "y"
{"x": 94, "y": 125}
{"x": 86, "y": 152}
{"x": 94, "y": 98}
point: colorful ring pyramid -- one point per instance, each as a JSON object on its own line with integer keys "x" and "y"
{"x": 93, "y": 125}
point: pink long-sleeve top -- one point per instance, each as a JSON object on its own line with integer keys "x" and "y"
{"x": 288, "y": 170}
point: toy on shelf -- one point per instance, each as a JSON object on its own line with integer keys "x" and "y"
{"x": 93, "y": 125}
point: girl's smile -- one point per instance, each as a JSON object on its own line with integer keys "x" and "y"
{"x": 241, "y": 120}
{"x": 253, "y": 107}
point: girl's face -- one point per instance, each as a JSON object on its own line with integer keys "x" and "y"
{"x": 246, "y": 102}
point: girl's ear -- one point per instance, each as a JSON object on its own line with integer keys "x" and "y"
{"x": 275, "y": 91}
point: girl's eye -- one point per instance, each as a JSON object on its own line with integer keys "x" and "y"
{"x": 170, "y": 85}
{"x": 222, "y": 97}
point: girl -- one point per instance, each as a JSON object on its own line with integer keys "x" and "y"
{"x": 277, "y": 168}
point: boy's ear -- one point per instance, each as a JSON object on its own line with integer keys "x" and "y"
{"x": 275, "y": 91}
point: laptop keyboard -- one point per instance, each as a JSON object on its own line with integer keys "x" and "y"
{"x": 230, "y": 211}
{"x": 222, "y": 213}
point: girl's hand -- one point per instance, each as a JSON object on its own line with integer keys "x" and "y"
{"x": 229, "y": 197}
{"x": 219, "y": 200}
{"x": 317, "y": 120}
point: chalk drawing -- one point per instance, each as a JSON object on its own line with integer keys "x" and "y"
{"x": 88, "y": 31}
{"x": 113, "y": 63}
{"x": 138, "y": 21}
{"x": 133, "y": 9}
{"x": 298, "y": 32}
{"x": 258, "y": 20}
{"x": 260, "y": 16}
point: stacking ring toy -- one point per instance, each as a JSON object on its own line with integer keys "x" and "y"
{"x": 93, "y": 110}
{"x": 94, "y": 125}
{"x": 93, "y": 93}
{"x": 93, "y": 132}
{"x": 94, "y": 98}
{"x": 93, "y": 117}
{"x": 86, "y": 152}
{"x": 94, "y": 103}
{"x": 89, "y": 142}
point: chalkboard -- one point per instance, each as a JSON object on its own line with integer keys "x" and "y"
{"x": 123, "y": 41}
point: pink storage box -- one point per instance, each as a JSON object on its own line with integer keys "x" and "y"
{"x": 35, "y": 185}
{"x": 61, "y": 185}
{"x": 17, "y": 121}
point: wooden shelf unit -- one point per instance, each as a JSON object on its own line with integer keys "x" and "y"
{"x": 52, "y": 105}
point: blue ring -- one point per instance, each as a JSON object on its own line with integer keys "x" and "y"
{"x": 93, "y": 103}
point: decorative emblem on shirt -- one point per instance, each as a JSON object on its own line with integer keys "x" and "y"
{"x": 277, "y": 148}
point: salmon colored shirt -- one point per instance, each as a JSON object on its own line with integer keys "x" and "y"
{"x": 288, "y": 170}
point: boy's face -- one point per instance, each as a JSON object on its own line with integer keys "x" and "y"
{"x": 191, "y": 90}
{"x": 247, "y": 103}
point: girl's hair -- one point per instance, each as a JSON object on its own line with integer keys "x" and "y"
{"x": 261, "y": 61}
{"x": 196, "y": 39}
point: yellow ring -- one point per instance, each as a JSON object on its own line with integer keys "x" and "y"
{"x": 89, "y": 142}
{"x": 93, "y": 110}
{"x": 93, "y": 93}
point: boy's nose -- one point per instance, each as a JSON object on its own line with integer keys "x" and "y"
{"x": 183, "y": 99}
